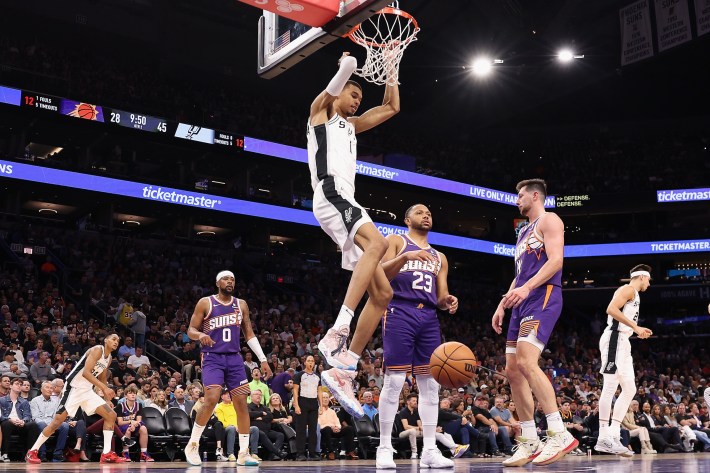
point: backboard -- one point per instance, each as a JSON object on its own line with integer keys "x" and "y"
{"x": 284, "y": 42}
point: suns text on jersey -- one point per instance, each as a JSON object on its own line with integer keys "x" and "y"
{"x": 224, "y": 321}
{"x": 421, "y": 266}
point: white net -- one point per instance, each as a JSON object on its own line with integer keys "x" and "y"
{"x": 384, "y": 36}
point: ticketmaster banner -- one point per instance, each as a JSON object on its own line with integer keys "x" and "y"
{"x": 57, "y": 177}
{"x": 300, "y": 155}
{"x": 683, "y": 195}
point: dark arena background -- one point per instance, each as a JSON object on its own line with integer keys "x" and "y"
{"x": 144, "y": 148}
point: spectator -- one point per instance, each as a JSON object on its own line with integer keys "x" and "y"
{"x": 130, "y": 422}
{"x": 459, "y": 427}
{"x": 181, "y": 402}
{"x": 16, "y": 418}
{"x": 635, "y": 430}
{"x": 158, "y": 400}
{"x": 4, "y": 385}
{"x": 189, "y": 357}
{"x": 367, "y": 405}
{"x": 120, "y": 371}
{"x": 377, "y": 377}
{"x": 25, "y": 393}
{"x": 226, "y": 431}
{"x": 282, "y": 384}
{"x": 42, "y": 370}
{"x": 43, "y": 408}
{"x": 250, "y": 365}
{"x": 572, "y": 423}
{"x": 137, "y": 359}
{"x": 411, "y": 423}
{"x": 504, "y": 418}
{"x": 487, "y": 426}
{"x": 261, "y": 417}
{"x": 127, "y": 349}
{"x": 331, "y": 427}
{"x": 33, "y": 355}
{"x": 138, "y": 326}
{"x": 663, "y": 439}
{"x": 257, "y": 383}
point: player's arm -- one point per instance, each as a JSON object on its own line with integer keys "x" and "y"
{"x": 393, "y": 261}
{"x": 319, "y": 107}
{"x": 252, "y": 341}
{"x": 380, "y": 114}
{"x": 194, "y": 332}
{"x": 499, "y": 314}
{"x": 623, "y": 295}
{"x": 444, "y": 300}
{"x": 91, "y": 359}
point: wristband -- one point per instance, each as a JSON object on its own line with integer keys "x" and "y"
{"x": 256, "y": 348}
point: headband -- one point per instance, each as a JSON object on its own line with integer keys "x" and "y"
{"x": 640, "y": 273}
{"x": 222, "y": 274}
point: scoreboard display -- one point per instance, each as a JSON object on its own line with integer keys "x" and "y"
{"x": 127, "y": 119}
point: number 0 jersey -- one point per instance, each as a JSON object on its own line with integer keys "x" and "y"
{"x": 223, "y": 325}
{"x": 415, "y": 285}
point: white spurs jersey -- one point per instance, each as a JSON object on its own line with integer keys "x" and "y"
{"x": 631, "y": 311}
{"x": 332, "y": 151}
{"x": 76, "y": 376}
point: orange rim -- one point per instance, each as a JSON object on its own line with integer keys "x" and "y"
{"x": 387, "y": 10}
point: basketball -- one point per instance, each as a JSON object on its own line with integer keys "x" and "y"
{"x": 452, "y": 364}
{"x": 86, "y": 111}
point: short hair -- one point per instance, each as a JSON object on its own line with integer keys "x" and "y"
{"x": 43, "y": 382}
{"x": 354, "y": 84}
{"x": 640, "y": 267}
{"x": 535, "y": 185}
{"x": 410, "y": 210}
{"x": 412, "y": 395}
{"x": 131, "y": 389}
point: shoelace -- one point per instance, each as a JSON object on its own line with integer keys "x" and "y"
{"x": 342, "y": 335}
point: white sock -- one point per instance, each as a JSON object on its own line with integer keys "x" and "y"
{"x": 144, "y": 450}
{"x": 244, "y": 443}
{"x": 107, "y": 440}
{"x": 40, "y": 441}
{"x": 529, "y": 431}
{"x": 615, "y": 428}
{"x": 197, "y": 430}
{"x": 428, "y": 409}
{"x": 345, "y": 316}
{"x": 554, "y": 422}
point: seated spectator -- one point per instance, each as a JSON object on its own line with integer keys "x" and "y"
{"x": 4, "y": 385}
{"x": 226, "y": 433}
{"x": 26, "y": 387}
{"x": 504, "y": 418}
{"x": 33, "y": 355}
{"x": 573, "y": 424}
{"x": 72, "y": 345}
{"x": 250, "y": 364}
{"x": 331, "y": 427}
{"x": 42, "y": 369}
{"x": 120, "y": 370}
{"x": 411, "y": 423}
{"x": 635, "y": 430}
{"x": 189, "y": 359}
{"x": 368, "y": 405}
{"x": 257, "y": 383}
{"x": 130, "y": 422}
{"x": 8, "y": 361}
{"x": 137, "y": 359}
{"x": 282, "y": 384}
{"x": 461, "y": 429}
{"x": 43, "y": 408}
{"x": 16, "y": 418}
{"x": 669, "y": 440}
{"x": 180, "y": 401}
{"x": 127, "y": 349}
{"x": 158, "y": 400}
{"x": 261, "y": 417}
{"x": 487, "y": 426}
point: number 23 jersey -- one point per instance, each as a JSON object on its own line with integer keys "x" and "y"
{"x": 415, "y": 284}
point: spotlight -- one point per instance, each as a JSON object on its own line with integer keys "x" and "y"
{"x": 483, "y": 66}
{"x": 566, "y": 55}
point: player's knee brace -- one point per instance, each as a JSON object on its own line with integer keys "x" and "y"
{"x": 394, "y": 380}
{"x": 428, "y": 390}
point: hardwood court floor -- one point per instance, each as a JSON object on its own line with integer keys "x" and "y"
{"x": 667, "y": 463}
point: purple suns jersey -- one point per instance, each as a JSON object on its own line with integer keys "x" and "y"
{"x": 530, "y": 255}
{"x": 223, "y": 324}
{"x": 416, "y": 281}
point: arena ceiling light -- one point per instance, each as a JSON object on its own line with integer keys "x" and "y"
{"x": 567, "y": 55}
{"x": 483, "y": 66}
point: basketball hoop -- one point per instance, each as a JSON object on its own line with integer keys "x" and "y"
{"x": 385, "y": 36}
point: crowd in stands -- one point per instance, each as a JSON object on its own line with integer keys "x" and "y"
{"x": 52, "y": 309}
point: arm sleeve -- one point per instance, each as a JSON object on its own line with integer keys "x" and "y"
{"x": 337, "y": 83}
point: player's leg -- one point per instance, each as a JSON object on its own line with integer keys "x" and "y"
{"x": 109, "y": 417}
{"x": 398, "y": 335}
{"x": 334, "y": 345}
{"x": 528, "y": 444}
{"x": 339, "y": 380}
{"x": 236, "y": 380}
{"x": 213, "y": 376}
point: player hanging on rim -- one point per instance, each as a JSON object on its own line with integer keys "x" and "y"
{"x": 535, "y": 295}
{"x": 91, "y": 371}
{"x": 617, "y": 366}
{"x": 216, "y": 323}
{"x": 332, "y": 152}
{"x": 411, "y": 333}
